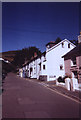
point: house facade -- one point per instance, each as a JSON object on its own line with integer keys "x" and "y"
{"x": 55, "y": 62}
{"x": 72, "y": 62}
{"x": 50, "y": 65}
{"x": 37, "y": 67}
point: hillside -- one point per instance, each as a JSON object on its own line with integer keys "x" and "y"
{"x": 9, "y": 55}
{"x": 19, "y": 57}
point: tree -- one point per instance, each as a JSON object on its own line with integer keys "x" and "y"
{"x": 25, "y": 55}
{"x": 58, "y": 40}
{"x": 32, "y": 51}
{"x": 75, "y": 42}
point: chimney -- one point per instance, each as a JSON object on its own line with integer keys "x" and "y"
{"x": 50, "y": 44}
{"x": 35, "y": 54}
{"x": 79, "y": 38}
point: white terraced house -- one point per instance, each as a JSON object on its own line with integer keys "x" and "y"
{"x": 50, "y": 65}
{"x": 36, "y": 67}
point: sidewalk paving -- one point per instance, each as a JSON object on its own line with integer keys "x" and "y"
{"x": 73, "y": 94}
{"x": 52, "y": 84}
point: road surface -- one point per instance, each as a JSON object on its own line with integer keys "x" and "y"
{"x": 25, "y": 98}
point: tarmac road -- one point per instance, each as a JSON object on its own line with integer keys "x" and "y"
{"x": 25, "y": 98}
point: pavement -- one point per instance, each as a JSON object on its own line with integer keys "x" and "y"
{"x": 76, "y": 95}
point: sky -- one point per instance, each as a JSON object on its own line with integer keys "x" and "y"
{"x": 27, "y": 24}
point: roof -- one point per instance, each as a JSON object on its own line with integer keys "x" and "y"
{"x": 51, "y": 42}
{"x": 43, "y": 53}
{"x": 59, "y": 44}
{"x": 74, "y": 52}
{"x": 34, "y": 58}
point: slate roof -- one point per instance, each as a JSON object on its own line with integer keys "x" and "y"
{"x": 74, "y": 52}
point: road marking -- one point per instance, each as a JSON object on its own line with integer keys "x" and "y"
{"x": 63, "y": 95}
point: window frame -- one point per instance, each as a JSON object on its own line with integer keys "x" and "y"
{"x": 68, "y": 45}
{"x": 62, "y": 44}
{"x": 44, "y": 67}
{"x": 61, "y": 67}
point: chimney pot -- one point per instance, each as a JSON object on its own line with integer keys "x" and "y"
{"x": 79, "y": 38}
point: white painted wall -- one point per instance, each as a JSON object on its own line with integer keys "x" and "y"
{"x": 35, "y": 68}
{"x": 43, "y": 62}
{"x": 54, "y": 60}
{"x": 38, "y": 68}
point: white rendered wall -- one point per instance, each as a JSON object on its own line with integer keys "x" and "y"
{"x": 32, "y": 65}
{"x": 43, "y": 62}
{"x": 54, "y": 60}
{"x": 36, "y": 72}
{"x": 38, "y": 68}
{"x": 35, "y": 68}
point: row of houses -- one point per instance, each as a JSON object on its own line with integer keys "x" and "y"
{"x": 50, "y": 65}
{"x": 59, "y": 59}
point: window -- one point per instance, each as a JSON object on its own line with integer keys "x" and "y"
{"x": 69, "y": 45}
{"x": 40, "y": 66}
{"x": 62, "y": 45}
{"x": 43, "y": 67}
{"x": 31, "y": 69}
{"x": 61, "y": 67}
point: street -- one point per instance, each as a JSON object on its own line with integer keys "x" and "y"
{"x": 25, "y": 98}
